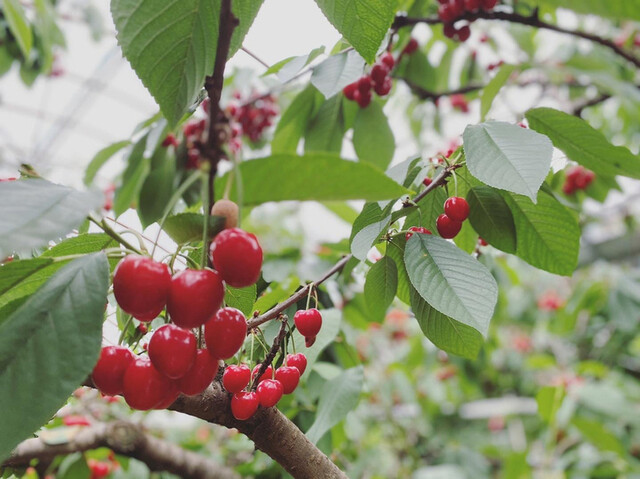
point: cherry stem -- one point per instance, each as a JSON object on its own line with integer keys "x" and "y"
{"x": 205, "y": 227}
{"x": 455, "y": 182}
{"x": 273, "y": 351}
{"x": 309, "y": 296}
{"x": 124, "y": 329}
{"x": 102, "y": 224}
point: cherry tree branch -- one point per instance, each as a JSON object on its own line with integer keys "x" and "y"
{"x": 272, "y": 352}
{"x": 127, "y": 439}
{"x": 425, "y": 94}
{"x": 531, "y": 20}
{"x": 439, "y": 180}
{"x": 577, "y": 109}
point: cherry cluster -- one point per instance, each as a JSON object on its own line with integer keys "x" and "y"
{"x": 193, "y": 298}
{"x": 252, "y": 118}
{"x": 578, "y": 178}
{"x": 378, "y": 80}
{"x": 451, "y": 10}
{"x": 456, "y": 210}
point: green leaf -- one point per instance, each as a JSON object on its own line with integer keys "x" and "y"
{"x": 364, "y": 23}
{"x": 429, "y": 208}
{"x": 492, "y": 89}
{"x": 547, "y": 233}
{"x": 17, "y": 20}
{"x": 446, "y": 333}
{"x": 16, "y": 271}
{"x": 584, "y": 144}
{"x": 618, "y": 9}
{"x": 241, "y": 298}
{"x": 490, "y": 216}
{"x": 326, "y": 129}
{"x": 288, "y": 68}
{"x": 294, "y": 121}
{"x": 601, "y": 437}
{"x": 467, "y": 239}
{"x": 172, "y": 47}
{"x": 381, "y": 285}
{"x": 49, "y": 346}
{"x": 314, "y": 176}
{"x": 367, "y": 228}
{"x": 187, "y": 227}
{"x": 395, "y": 251}
{"x": 549, "y": 399}
{"x": 451, "y": 281}
{"x": 138, "y": 167}
{"x": 339, "y": 396}
{"x": 101, "y": 158}
{"x": 417, "y": 70}
{"x": 372, "y": 137}
{"x": 34, "y": 212}
{"x": 336, "y": 72}
{"x": 507, "y": 156}
{"x": 157, "y": 189}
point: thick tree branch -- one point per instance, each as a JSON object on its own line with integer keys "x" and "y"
{"x": 127, "y": 439}
{"x": 531, "y": 20}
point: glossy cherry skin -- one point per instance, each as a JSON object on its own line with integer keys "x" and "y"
{"x": 268, "y": 373}
{"x": 289, "y": 376}
{"x": 308, "y": 321}
{"x": 244, "y": 405}
{"x": 456, "y": 208}
{"x": 108, "y": 373}
{"x": 298, "y": 361}
{"x": 144, "y": 386}
{"x": 172, "y": 350}
{"x": 141, "y": 286}
{"x": 225, "y": 333}
{"x": 200, "y": 375}
{"x": 170, "y": 396}
{"x": 447, "y": 227}
{"x": 379, "y": 73}
{"x": 309, "y": 341}
{"x": 269, "y": 391}
{"x": 236, "y": 377}
{"x": 194, "y": 296}
{"x": 416, "y": 229}
{"x": 237, "y": 256}
{"x": 411, "y": 47}
{"x": 388, "y": 60}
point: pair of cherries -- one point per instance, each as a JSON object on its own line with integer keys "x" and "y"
{"x": 449, "y": 224}
{"x": 308, "y": 322}
{"x": 271, "y": 387}
{"x": 578, "y": 178}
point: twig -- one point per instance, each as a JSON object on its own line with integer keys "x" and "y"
{"x": 577, "y": 110}
{"x": 531, "y": 20}
{"x": 254, "y": 56}
{"x": 439, "y": 180}
{"x": 272, "y": 352}
{"x": 424, "y": 94}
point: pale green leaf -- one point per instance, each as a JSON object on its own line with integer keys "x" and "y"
{"x": 336, "y": 72}
{"x": 17, "y": 20}
{"x": 381, "y": 285}
{"x": 372, "y": 137}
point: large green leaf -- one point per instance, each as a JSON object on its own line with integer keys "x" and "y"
{"x": 395, "y": 251}
{"x": 101, "y": 158}
{"x": 326, "y": 129}
{"x": 547, "y": 233}
{"x": 49, "y": 346}
{"x": 287, "y": 69}
{"x": 451, "y": 281}
{"x": 34, "y": 212}
{"x": 172, "y": 46}
{"x": 16, "y": 18}
{"x": 364, "y": 23}
{"x": 16, "y": 271}
{"x": 372, "y": 137}
{"x": 187, "y": 227}
{"x": 339, "y": 396}
{"x": 294, "y": 121}
{"x": 336, "y": 72}
{"x": 598, "y": 434}
{"x": 138, "y": 167}
{"x": 616, "y": 9}
{"x": 446, "y": 333}
{"x": 157, "y": 189}
{"x": 241, "y": 298}
{"x": 381, "y": 286}
{"x": 491, "y": 217}
{"x": 507, "y": 156}
{"x": 367, "y": 228}
{"x": 314, "y": 176}
{"x": 584, "y": 144}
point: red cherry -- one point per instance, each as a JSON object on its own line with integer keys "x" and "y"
{"x": 170, "y": 140}
{"x": 170, "y": 396}
{"x": 236, "y": 377}
{"x": 489, "y": 4}
{"x": 383, "y": 88}
{"x": 75, "y": 420}
{"x": 449, "y": 30}
{"x": 363, "y": 99}
{"x": 269, "y": 392}
{"x": 141, "y": 286}
{"x": 410, "y": 47}
{"x": 416, "y": 229}
{"x": 225, "y": 333}
{"x": 472, "y": 5}
{"x": 456, "y": 208}
{"x": 379, "y": 73}
{"x": 268, "y": 373}
{"x": 350, "y": 90}
{"x": 464, "y": 33}
{"x": 200, "y": 375}
{"x": 98, "y": 469}
{"x": 388, "y": 60}
{"x": 237, "y": 256}
{"x": 364, "y": 85}
{"x": 194, "y": 296}
{"x": 108, "y": 373}
{"x": 482, "y": 242}
{"x": 244, "y": 405}
{"x": 446, "y": 13}
{"x": 309, "y": 341}
{"x": 298, "y": 361}
{"x": 289, "y": 376}
{"x": 144, "y": 386}
{"x": 447, "y": 227}
{"x": 427, "y": 181}
{"x": 172, "y": 350}
{"x": 308, "y": 321}
{"x": 589, "y": 176}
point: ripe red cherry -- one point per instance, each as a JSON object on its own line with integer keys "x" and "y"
{"x": 410, "y": 47}
{"x": 194, "y": 296}
{"x": 289, "y": 376}
{"x": 309, "y": 341}
{"x": 108, "y": 373}
{"x": 144, "y": 386}
{"x": 388, "y": 60}
{"x": 379, "y": 73}
{"x": 237, "y": 256}
{"x": 464, "y": 33}
{"x": 172, "y": 350}
{"x": 269, "y": 392}
{"x": 236, "y": 377}
{"x": 456, "y": 208}
{"x": 98, "y": 469}
{"x": 364, "y": 85}
{"x": 447, "y": 227}
{"x": 244, "y": 405}
{"x": 383, "y": 88}
{"x": 225, "y": 333}
{"x": 363, "y": 99}
{"x": 298, "y": 361}
{"x": 268, "y": 373}
{"x": 308, "y": 321}
{"x": 350, "y": 90}
{"x": 170, "y": 396}
{"x": 427, "y": 181}
{"x": 141, "y": 286}
{"x": 200, "y": 375}
{"x": 416, "y": 229}
{"x": 472, "y": 5}
{"x": 489, "y": 4}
